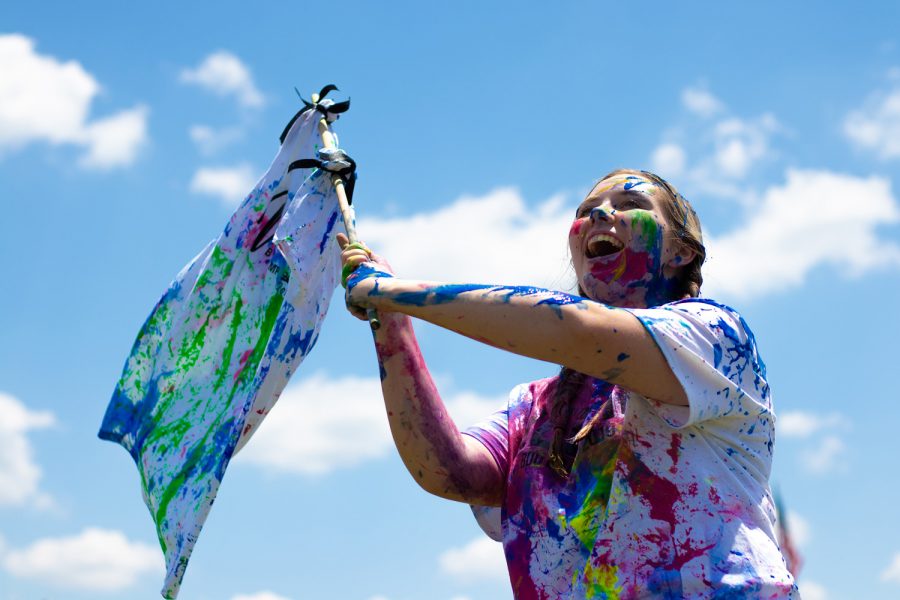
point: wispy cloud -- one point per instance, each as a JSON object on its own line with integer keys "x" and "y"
{"x": 494, "y": 238}
{"x": 96, "y": 559}
{"x": 715, "y": 154}
{"x": 875, "y": 126}
{"x": 828, "y": 456}
{"x": 480, "y": 560}
{"x": 43, "y": 99}
{"x": 224, "y": 74}
{"x": 811, "y": 590}
{"x": 802, "y": 424}
{"x": 325, "y": 423}
{"x": 210, "y": 140}
{"x": 669, "y": 158}
{"x": 892, "y": 572}
{"x": 116, "y": 140}
{"x": 823, "y": 435}
{"x": 700, "y": 101}
{"x": 266, "y": 595}
{"x": 800, "y": 529}
{"x": 815, "y": 218}
{"x": 19, "y": 473}
{"x": 229, "y": 184}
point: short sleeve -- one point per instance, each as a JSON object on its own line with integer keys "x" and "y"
{"x": 499, "y": 434}
{"x": 713, "y": 353}
{"x": 494, "y": 432}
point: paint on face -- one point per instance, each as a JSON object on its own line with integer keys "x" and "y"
{"x": 632, "y": 276}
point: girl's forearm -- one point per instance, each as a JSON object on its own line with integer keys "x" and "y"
{"x": 442, "y": 461}
{"x": 534, "y": 322}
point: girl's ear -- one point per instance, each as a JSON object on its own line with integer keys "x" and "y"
{"x": 683, "y": 256}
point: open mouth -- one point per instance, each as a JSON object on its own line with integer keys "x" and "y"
{"x": 602, "y": 245}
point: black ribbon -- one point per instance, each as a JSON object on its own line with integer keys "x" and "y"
{"x": 336, "y": 162}
{"x": 329, "y": 109}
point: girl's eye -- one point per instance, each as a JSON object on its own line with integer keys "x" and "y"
{"x": 582, "y": 212}
{"x": 628, "y": 204}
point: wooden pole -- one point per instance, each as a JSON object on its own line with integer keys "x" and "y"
{"x": 343, "y": 202}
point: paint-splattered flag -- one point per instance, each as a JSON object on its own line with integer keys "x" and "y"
{"x": 219, "y": 347}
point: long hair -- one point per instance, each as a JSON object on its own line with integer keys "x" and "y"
{"x": 684, "y": 226}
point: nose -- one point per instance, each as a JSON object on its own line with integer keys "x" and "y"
{"x": 600, "y": 213}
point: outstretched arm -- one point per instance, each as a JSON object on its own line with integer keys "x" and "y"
{"x": 590, "y": 337}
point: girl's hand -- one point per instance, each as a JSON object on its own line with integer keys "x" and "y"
{"x": 360, "y": 269}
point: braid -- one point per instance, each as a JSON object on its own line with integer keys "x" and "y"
{"x": 568, "y": 385}
{"x": 586, "y": 429}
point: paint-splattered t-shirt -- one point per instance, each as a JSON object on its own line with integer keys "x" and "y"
{"x": 662, "y": 501}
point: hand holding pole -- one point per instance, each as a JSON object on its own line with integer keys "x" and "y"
{"x": 344, "y": 204}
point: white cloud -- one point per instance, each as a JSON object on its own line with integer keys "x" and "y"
{"x": 96, "y": 559}
{"x": 320, "y": 425}
{"x": 467, "y": 408}
{"x": 228, "y": 184}
{"x": 892, "y": 572}
{"x": 827, "y": 456}
{"x": 480, "y": 559}
{"x": 495, "y": 238}
{"x": 715, "y": 155}
{"x": 19, "y": 474}
{"x": 816, "y": 218}
{"x": 810, "y": 590}
{"x": 260, "y": 596}
{"x": 45, "y": 100}
{"x": 801, "y": 532}
{"x": 876, "y": 126}
{"x": 224, "y": 74}
{"x": 801, "y": 424}
{"x": 740, "y": 143}
{"x": 324, "y": 423}
{"x": 209, "y": 140}
{"x": 668, "y": 160}
{"x": 825, "y": 450}
{"x": 116, "y": 140}
{"x": 701, "y": 102}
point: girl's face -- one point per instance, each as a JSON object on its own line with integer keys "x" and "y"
{"x": 623, "y": 251}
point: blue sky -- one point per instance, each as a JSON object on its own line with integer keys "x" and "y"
{"x": 128, "y": 132}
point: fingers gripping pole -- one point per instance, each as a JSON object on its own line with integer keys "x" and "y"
{"x": 344, "y": 204}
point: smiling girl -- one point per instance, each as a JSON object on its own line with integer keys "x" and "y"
{"x": 642, "y": 469}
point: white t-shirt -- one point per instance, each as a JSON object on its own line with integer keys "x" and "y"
{"x": 662, "y": 501}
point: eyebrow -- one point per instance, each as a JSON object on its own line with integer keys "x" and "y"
{"x": 632, "y": 193}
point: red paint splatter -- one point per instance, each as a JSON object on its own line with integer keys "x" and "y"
{"x": 674, "y": 451}
{"x": 577, "y": 224}
{"x": 661, "y": 494}
{"x": 243, "y": 362}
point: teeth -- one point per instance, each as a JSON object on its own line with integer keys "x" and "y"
{"x": 603, "y": 244}
{"x": 602, "y": 237}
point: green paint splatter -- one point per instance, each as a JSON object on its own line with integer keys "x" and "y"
{"x": 649, "y": 228}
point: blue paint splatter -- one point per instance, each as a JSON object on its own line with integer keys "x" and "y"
{"x": 328, "y": 229}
